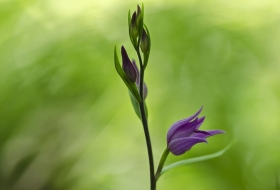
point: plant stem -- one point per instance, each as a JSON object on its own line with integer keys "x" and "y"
{"x": 145, "y": 124}
{"x": 161, "y": 163}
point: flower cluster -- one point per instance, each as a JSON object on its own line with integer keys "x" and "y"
{"x": 140, "y": 39}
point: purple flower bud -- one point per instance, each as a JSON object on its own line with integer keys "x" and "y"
{"x": 185, "y": 133}
{"x": 128, "y": 67}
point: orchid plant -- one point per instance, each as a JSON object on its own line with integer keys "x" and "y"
{"x": 183, "y": 134}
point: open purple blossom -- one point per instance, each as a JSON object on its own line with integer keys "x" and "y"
{"x": 185, "y": 133}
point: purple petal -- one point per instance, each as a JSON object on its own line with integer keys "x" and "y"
{"x": 207, "y": 134}
{"x": 200, "y": 131}
{"x": 180, "y": 123}
{"x": 180, "y": 146}
{"x": 199, "y": 122}
{"x": 138, "y": 10}
{"x": 184, "y": 130}
{"x": 133, "y": 19}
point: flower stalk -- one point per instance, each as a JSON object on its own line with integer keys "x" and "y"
{"x": 145, "y": 123}
{"x": 161, "y": 163}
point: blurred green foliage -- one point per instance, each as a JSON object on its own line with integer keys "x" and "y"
{"x": 66, "y": 118}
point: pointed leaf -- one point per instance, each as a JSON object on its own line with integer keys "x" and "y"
{"x": 141, "y": 22}
{"x": 197, "y": 159}
{"x": 137, "y": 107}
{"x": 129, "y": 18}
{"x": 129, "y": 28}
{"x": 146, "y": 55}
{"x": 146, "y": 110}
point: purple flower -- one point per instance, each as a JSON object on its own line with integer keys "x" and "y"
{"x": 185, "y": 133}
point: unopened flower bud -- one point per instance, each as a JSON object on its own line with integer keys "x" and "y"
{"x": 128, "y": 67}
{"x": 144, "y": 42}
{"x": 138, "y": 16}
{"x": 133, "y": 31}
{"x": 135, "y": 25}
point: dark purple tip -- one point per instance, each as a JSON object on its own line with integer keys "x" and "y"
{"x": 138, "y": 10}
{"x": 133, "y": 19}
{"x": 128, "y": 67}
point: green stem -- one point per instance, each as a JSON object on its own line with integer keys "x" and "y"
{"x": 145, "y": 124}
{"x": 161, "y": 162}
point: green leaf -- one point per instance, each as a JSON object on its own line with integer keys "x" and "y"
{"x": 141, "y": 22}
{"x": 146, "y": 55}
{"x": 137, "y": 107}
{"x": 129, "y": 30}
{"x": 197, "y": 159}
{"x": 131, "y": 86}
{"x": 146, "y": 110}
{"x": 129, "y": 18}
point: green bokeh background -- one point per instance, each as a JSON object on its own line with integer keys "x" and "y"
{"x": 66, "y": 121}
